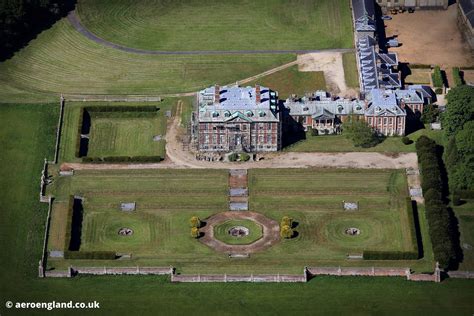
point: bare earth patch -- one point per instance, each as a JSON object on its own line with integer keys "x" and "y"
{"x": 331, "y": 64}
{"x": 430, "y": 37}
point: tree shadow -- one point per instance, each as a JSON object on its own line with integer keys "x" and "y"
{"x": 26, "y": 20}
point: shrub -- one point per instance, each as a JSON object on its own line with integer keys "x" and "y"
{"x": 456, "y": 199}
{"x": 244, "y": 157}
{"x": 92, "y": 255}
{"x": 195, "y": 232}
{"x": 195, "y": 222}
{"x": 437, "y": 77}
{"x": 286, "y": 221}
{"x": 466, "y": 194}
{"x": 439, "y": 90}
{"x": 286, "y": 232}
{"x": 233, "y": 157}
{"x": 406, "y": 140}
{"x": 457, "y": 77}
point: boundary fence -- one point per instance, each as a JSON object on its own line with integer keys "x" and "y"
{"x": 308, "y": 273}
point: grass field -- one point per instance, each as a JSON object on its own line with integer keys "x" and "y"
{"x": 220, "y": 25}
{"x": 419, "y": 76}
{"x": 339, "y": 143}
{"x": 60, "y": 60}
{"x": 351, "y": 73}
{"x": 24, "y": 147}
{"x": 291, "y": 81}
{"x": 115, "y": 136}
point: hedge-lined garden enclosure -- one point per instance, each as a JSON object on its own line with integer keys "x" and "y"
{"x": 117, "y": 131}
{"x": 166, "y": 199}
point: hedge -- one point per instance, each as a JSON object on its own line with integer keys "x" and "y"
{"x": 465, "y": 194}
{"x": 77, "y": 152}
{"x": 94, "y": 255}
{"x": 441, "y": 222}
{"x": 122, "y": 159}
{"x": 420, "y": 66}
{"x": 457, "y": 77}
{"x": 70, "y": 210}
{"x": 389, "y": 255}
{"x": 437, "y": 77}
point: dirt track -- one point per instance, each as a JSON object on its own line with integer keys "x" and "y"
{"x": 178, "y": 157}
{"x": 430, "y": 37}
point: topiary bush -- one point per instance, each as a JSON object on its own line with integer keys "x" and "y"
{"x": 406, "y": 140}
{"x": 233, "y": 157}
{"x": 244, "y": 157}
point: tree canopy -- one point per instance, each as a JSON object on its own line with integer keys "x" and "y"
{"x": 459, "y": 110}
{"x": 360, "y": 133}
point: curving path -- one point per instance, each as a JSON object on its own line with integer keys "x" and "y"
{"x": 271, "y": 232}
{"x": 76, "y": 23}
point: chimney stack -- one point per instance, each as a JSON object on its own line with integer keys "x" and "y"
{"x": 217, "y": 95}
{"x": 257, "y": 94}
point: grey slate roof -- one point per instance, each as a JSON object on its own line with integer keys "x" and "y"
{"x": 237, "y": 103}
{"x": 363, "y": 7}
{"x": 425, "y": 91}
{"x": 320, "y": 105}
{"x": 467, "y": 7}
{"x": 384, "y": 103}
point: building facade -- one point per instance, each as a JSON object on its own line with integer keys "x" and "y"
{"x": 387, "y": 5}
{"x": 237, "y": 119}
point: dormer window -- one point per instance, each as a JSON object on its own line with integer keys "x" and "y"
{"x": 358, "y": 108}
{"x": 215, "y": 114}
{"x": 227, "y": 114}
{"x": 305, "y": 108}
{"x": 249, "y": 113}
{"x": 261, "y": 114}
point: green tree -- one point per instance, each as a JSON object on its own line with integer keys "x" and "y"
{"x": 286, "y": 232}
{"x": 430, "y": 113}
{"x": 195, "y": 232}
{"x": 459, "y": 110}
{"x": 195, "y": 222}
{"x": 360, "y": 133}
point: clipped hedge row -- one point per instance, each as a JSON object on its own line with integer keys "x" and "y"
{"x": 92, "y": 255}
{"x": 437, "y": 77}
{"x": 77, "y": 152}
{"x": 70, "y": 210}
{"x": 457, "y": 77}
{"x": 465, "y": 194}
{"x": 390, "y": 255}
{"x": 441, "y": 222}
{"x": 122, "y": 159}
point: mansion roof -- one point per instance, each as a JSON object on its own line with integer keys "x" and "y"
{"x": 228, "y": 103}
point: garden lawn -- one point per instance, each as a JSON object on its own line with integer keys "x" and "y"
{"x": 27, "y": 136}
{"x": 465, "y": 216}
{"x": 339, "y": 143}
{"x": 132, "y": 136}
{"x": 351, "y": 73}
{"x": 220, "y": 25}
{"x": 291, "y": 81}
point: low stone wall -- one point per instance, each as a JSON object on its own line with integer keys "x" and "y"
{"x": 370, "y": 271}
{"x": 122, "y": 270}
{"x": 254, "y": 278}
{"x": 461, "y": 274}
{"x": 374, "y": 272}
